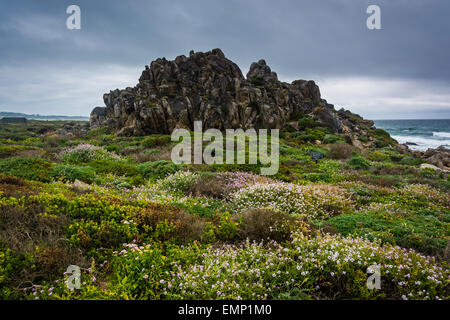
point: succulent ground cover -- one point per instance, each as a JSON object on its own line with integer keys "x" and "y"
{"x": 141, "y": 227}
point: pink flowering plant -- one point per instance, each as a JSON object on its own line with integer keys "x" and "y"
{"x": 235, "y": 181}
{"x": 84, "y": 153}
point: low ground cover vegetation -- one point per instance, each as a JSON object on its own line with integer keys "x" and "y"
{"x": 142, "y": 227}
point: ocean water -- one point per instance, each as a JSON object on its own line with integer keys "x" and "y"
{"x": 425, "y": 133}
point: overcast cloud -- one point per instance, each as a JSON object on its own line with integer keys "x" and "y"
{"x": 401, "y": 71}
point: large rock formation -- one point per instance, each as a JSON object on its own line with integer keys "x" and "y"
{"x": 209, "y": 87}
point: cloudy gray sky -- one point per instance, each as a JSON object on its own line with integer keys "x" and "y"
{"x": 399, "y": 72}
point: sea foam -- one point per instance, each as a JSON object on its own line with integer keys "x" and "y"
{"x": 442, "y": 134}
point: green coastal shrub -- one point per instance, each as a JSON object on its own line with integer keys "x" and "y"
{"x": 310, "y": 134}
{"x": 363, "y": 139}
{"x": 411, "y": 161}
{"x": 112, "y": 148}
{"x": 98, "y": 132}
{"x": 158, "y": 169}
{"x": 426, "y": 234}
{"x": 119, "y": 182}
{"x": 317, "y": 133}
{"x": 334, "y": 138}
{"x": 91, "y": 235}
{"x": 11, "y": 265}
{"x": 156, "y": 141}
{"x": 151, "y": 151}
{"x": 381, "y": 144}
{"x": 428, "y": 172}
{"x": 381, "y": 133}
{"x": 359, "y": 162}
{"x": 71, "y": 173}
{"x": 37, "y": 169}
{"x": 306, "y": 122}
{"x": 378, "y": 156}
{"x": 118, "y": 168}
{"x": 10, "y": 150}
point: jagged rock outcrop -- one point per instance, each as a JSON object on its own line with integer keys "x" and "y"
{"x": 209, "y": 87}
{"x": 439, "y": 157}
{"x": 98, "y": 117}
{"x": 259, "y": 71}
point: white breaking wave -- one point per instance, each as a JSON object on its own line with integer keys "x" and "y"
{"x": 422, "y": 143}
{"x": 442, "y": 134}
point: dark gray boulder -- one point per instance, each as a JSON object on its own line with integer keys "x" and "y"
{"x": 97, "y": 117}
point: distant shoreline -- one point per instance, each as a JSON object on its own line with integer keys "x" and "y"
{"x": 418, "y": 134}
{"x": 42, "y": 117}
